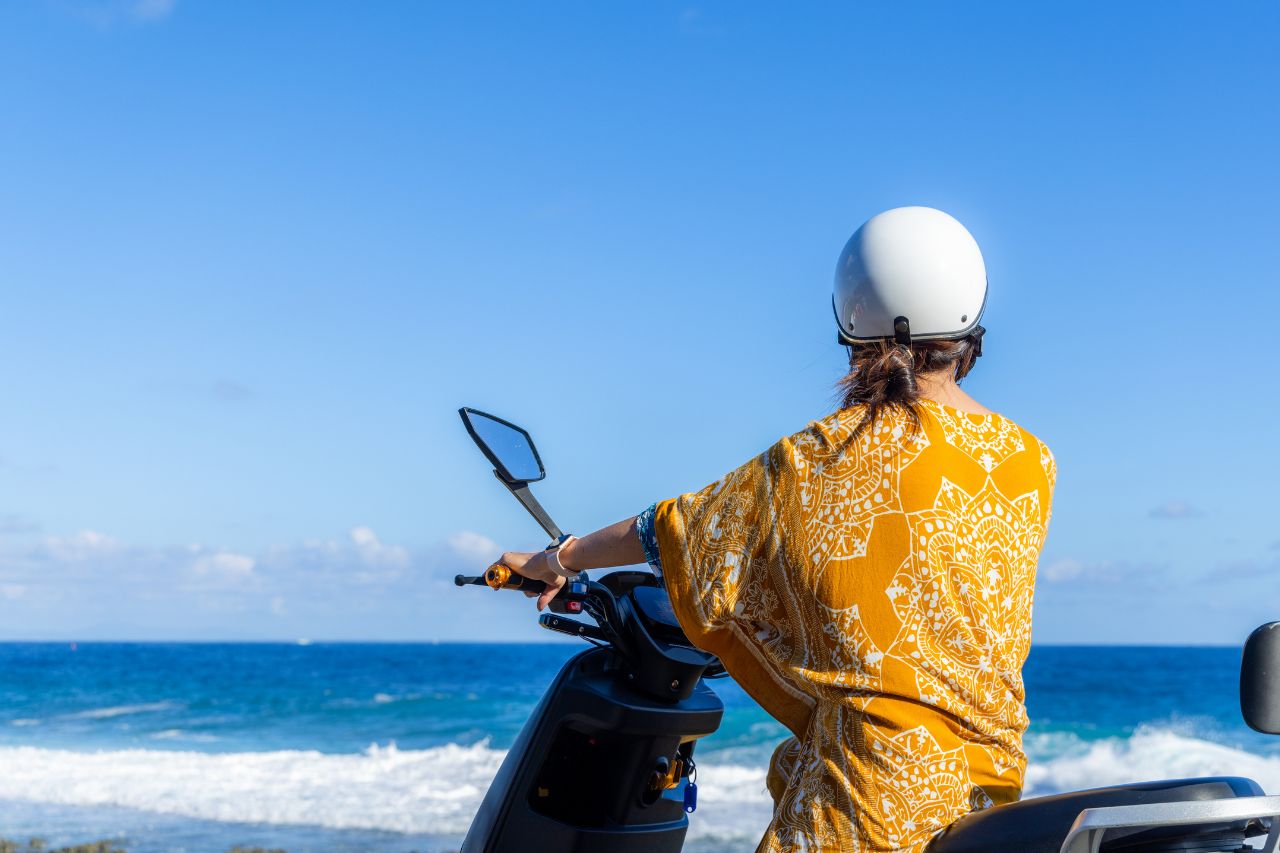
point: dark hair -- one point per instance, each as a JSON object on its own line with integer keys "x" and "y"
{"x": 883, "y": 373}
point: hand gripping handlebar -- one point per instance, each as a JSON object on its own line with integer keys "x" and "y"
{"x": 568, "y": 599}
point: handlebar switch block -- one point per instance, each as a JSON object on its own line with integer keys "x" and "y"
{"x": 570, "y": 597}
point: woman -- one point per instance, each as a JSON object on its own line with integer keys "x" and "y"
{"x": 869, "y": 579}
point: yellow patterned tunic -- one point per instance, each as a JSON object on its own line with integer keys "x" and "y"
{"x": 874, "y": 594}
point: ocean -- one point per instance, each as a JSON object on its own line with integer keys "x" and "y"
{"x": 389, "y": 748}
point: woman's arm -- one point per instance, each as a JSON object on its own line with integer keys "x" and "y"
{"x": 615, "y": 545}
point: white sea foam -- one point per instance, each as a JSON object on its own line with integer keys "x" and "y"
{"x": 1151, "y": 753}
{"x": 183, "y": 734}
{"x": 381, "y": 788}
{"x": 121, "y": 711}
{"x": 388, "y": 698}
{"x": 431, "y": 790}
{"x": 438, "y": 790}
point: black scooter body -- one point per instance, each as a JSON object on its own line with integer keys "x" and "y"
{"x": 578, "y": 777}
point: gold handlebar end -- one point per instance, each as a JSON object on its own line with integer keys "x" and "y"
{"x": 497, "y": 576}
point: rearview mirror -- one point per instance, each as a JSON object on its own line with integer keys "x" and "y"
{"x": 1260, "y": 679}
{"x": 508, "y": 447}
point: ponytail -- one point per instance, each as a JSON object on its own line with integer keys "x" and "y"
{"x": 883, "y": 374}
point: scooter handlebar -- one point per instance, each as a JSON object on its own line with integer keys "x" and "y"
{"x": 568, "y": 600}
{"x": 499, "y": 576}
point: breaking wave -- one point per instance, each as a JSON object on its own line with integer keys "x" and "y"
{"x": 437, "y": 790}
{"x": 383, "y": 788}
{"x": 1150, "y": 753}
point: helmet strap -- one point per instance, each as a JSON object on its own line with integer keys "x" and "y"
{"x": 902, "y": 331}
{"x": 977, "y": 334}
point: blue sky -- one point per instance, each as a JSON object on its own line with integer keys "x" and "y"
{"x": 254, "y": 257}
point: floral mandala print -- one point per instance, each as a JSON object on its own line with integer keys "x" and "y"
{"x": 985, "y": 446}
{"x": 968, "y": 657}
{"x": 830, "y": 487}
{"x": 920, "y": 773}
{"x": 873, "y": 592}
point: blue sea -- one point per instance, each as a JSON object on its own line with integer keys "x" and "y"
{"x": 389, "y": 748}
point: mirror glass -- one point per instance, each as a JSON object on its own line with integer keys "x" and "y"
{"x": 507, "y": 446}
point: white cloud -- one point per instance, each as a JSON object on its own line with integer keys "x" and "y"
{"x": 360, "y": 559}
{"x": 474, "y": 547}
{"x": 225, "y": 565}
{"x": 374, "y": 553}
{"x": 1244, "y": 570}
{"x": 1062, "y": 570}
{"x": 352, "y": 586}
{"x": 1100, "y": 572}
{"x": 82, "y": 546}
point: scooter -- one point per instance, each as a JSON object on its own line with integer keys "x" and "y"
{"x": 605, "y": 762}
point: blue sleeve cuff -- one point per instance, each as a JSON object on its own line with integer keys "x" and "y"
{"x": 649, "y": 539}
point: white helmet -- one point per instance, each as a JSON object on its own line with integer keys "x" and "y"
{"x": 910, "y": 274}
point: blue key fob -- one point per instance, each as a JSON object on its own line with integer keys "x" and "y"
{"x": 690, "y": 797}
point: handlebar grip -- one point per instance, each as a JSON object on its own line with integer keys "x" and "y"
{"x": 569, "y": 598}
{"x": 499, "y": 576}
{"x": 524, "y": 584}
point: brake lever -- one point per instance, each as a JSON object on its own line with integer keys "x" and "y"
{"x": 559, "y": 624}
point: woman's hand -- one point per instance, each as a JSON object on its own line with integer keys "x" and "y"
{"x": 534, "y": 566}
{"x": 615, "y": 545}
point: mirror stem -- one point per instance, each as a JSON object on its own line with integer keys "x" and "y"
{"x": 526, "y": 498}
